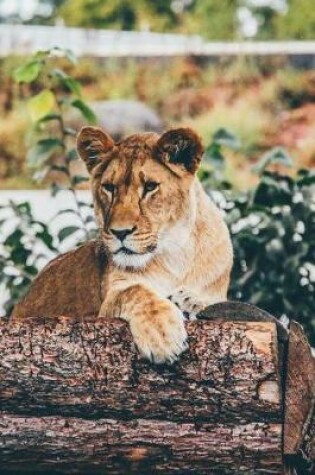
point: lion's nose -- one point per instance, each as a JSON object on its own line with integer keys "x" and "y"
{"x": 122, "y": 233}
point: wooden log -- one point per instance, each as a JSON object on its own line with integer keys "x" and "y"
{"x": 92, "y": 369}
{"x": 299, "y": 424}
{"x": 108, "y": 446}
{"x": 76, "y": 398}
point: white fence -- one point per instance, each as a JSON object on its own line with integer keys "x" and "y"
{"x": 26, "y": 39}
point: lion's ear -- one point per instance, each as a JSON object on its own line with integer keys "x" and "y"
{"x": 180, "y": 149}
{"x": 92, "y": 144}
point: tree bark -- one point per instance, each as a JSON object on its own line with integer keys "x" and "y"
{"x": 77, "y": 398}
{"x": 91, "y": 369}
{"x": 141, "y": 446}
{"x": 299, "y": 423}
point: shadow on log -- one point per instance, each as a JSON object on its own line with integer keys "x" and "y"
{"x": 76, "y": 398}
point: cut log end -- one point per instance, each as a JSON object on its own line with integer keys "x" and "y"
{"x": 299, "y": 424}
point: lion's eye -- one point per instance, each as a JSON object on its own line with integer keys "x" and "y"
{"x": 150, "y": 186}
{"x": 108, "y": 187}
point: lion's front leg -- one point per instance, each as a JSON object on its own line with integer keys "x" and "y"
{"x": 156, "y": 324}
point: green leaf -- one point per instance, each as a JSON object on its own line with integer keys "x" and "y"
{"x": 214, "y": 156}
{"x": 60, "y": 168}
{"x": 14, "y": 239}
{"x": 226, "y": 138}
{"x": 49, "y": 117}
{"x": 72, "y": 155}
{"x": 306, "y": 178}
{"x": 67, "y": 231}
{"x": 55, "y": 189}
{"x": 23, "y": 209}
{"x": 66, "y": 211}
{"x": 19, "y": 255}
{"x": 31, "y": 270}
{"x": 83, "y": 204}
{"x": 85, "y": 110}
{"x": 73, "y": 85}
{"x": 50, "y": 143}
{"x": 42, "y": 151}
{"x": 45, "y": 236}
{"x": 40, "y": 55}
{"x": 57, "y": 51}
{"x": 275, "y": 155}
{"x": 70, "y": 83}
{"x": 41, "y": 104}
{"x": 79, "y": 179}
{"x": 27, "y": 72}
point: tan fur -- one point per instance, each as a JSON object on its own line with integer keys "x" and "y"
{"x": 178, "y": 250}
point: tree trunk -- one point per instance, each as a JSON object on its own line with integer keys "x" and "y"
{"x": 92, "y": 369}
{"x": 76, "y": 398}
{"x": 72, "y": 445}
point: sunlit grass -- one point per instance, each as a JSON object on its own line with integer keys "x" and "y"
{"x": 244, "y": 118}
{"x": 19, "y": 182}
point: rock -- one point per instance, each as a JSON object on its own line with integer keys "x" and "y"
{"x": 124, "y": 117}
{"x": 121, "y": 118}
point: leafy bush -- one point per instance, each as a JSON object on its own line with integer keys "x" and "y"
{"x": 272, "y": 225}
{"x": 25, "y": 243}
{"x": 273, "y": 233}
{"x": 52, "y": 149}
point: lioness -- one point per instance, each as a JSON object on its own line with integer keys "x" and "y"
{"x": 170, "y": 250}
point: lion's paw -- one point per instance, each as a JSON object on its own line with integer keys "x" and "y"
{"x": 187, "y": 303}
{"x": 160, "y": 338}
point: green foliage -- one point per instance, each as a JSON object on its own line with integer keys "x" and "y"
{"x": 273, "y": 234}
{"x": 27, "y": 72}
{"x": 28, "y": 244}
{"x": 277, "y": 155}
{"x": 264, "y": 15}
{"x": 272, "y": 225}
{"x": 213, "y": 19}
{"x": 101, "y": 14}
{"x": 53, "y": 142}
{"x": 212, "y": 171}
{"x": 295, "y": 21}
{"x": 298, "y": 22}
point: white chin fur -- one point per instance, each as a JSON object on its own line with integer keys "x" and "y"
{"x": 136, "y": 261}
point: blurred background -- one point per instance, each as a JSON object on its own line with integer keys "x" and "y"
{"x": 240, "y": 72}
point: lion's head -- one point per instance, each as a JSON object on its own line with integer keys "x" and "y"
{"x": 141, "y": 188}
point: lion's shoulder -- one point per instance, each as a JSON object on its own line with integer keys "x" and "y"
{"x": 69, "y": 285}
